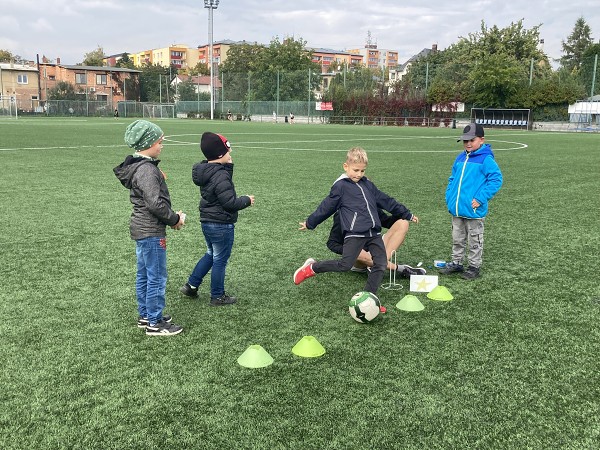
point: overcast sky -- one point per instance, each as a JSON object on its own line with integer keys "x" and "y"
{"x": 71, "y": 28}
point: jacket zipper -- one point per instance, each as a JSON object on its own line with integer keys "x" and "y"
{"x": 367, "y": 204}
{"x": 462, "y": 173}
{"x": 353, "y": 220}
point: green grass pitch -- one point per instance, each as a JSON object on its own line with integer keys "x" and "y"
{"x": 511, "y": 362}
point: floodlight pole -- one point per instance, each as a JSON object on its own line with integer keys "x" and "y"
{"x": 211, "y": 4}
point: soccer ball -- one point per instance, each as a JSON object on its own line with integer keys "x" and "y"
{"x": 364, "y": 307}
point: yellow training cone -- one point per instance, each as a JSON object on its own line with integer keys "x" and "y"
{"x": 255, "y": 357}
{"x": 440, "y": 293}
{"x": 410, "y": 303}
{"x": 308, "y": 347}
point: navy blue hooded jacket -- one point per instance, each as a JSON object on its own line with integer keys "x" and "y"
{"x": 357, "y": 204}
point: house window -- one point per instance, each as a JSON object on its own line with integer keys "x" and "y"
{"x": 22, "y": 79}
{"x": 80, "y": 78}
{"x": 100, "y": 78}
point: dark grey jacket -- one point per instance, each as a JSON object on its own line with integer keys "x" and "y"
{"x": 150, "y": 197}
{"x": 218, "y": 200}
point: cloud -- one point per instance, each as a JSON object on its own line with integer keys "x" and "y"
{"x": 41, "y": 25}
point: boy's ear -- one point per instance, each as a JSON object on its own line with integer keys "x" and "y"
{"x": 345, "y": 166}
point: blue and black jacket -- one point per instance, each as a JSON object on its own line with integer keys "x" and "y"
{"x": 475, "y": 175}
{"x": 357, "y": 204}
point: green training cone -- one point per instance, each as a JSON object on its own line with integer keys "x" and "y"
{"x": 308, "y": 347}
{"x": 255, "y": 357}
{"x": 410, "y": 303}
{"x": 440, "y": 293}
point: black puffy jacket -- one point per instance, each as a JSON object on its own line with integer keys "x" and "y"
{"x": 218, "y": 200}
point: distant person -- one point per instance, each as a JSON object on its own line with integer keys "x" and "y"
{"x": 219, "y": 206}
{"x": 229, "y": 115}
{"x": 291, "y": 117}
{"x": 474, "y": 180}
{"x": 151, "y": 214}
{"x": 274, "y": 117}
{"x": 116, "y": 113}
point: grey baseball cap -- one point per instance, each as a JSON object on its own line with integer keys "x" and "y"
{"x": 470, "y": 131}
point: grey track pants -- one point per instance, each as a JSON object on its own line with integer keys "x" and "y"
{"x": 467, "y": 232}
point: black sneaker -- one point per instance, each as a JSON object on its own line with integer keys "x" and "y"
{"x": 471, "y": 273}
{"x": 189, "y": 291}
{"x": 451, "y": 268}
{"x": 163, "y": 328}
{"x": 222, "y": 300}
{"x": 406, "y": 271}
{"x": 143, "y": 321}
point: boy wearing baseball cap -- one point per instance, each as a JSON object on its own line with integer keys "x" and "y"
{"x": 151, "y": 214}
{"x": 475, "y": 179}
{"x": 219, "y": 206}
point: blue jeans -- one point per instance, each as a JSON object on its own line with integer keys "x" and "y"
{"x": 151, "y": 279}
{"x": 219, "y": 241}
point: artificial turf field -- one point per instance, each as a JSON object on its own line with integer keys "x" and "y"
{"x": 511, "y": 362}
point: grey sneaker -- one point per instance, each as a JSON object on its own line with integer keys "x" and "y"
{"x": 451, "y": 268}
{"x": 189, "y": 291}
{"x": 406, "y": 271}
{"x": 223, "y": 300}
{"x": 143, "y": 321}
{"x": 163, "y": 328}
{"x": 471, "y": 273}
{"x": 358, "y": 269}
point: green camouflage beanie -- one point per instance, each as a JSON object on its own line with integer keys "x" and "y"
{"x": 141, "y": 135}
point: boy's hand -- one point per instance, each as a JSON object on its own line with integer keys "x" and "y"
{"x": 414, "y": 219}
{"x": 181, "y": 222}
{"x": 251, "y": 197}
{"x": 475, "y": 204}
{"x": 302, "y": 226}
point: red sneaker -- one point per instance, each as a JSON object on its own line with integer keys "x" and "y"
{"x": 382, "y": 309}
{"x": 304, "y": 272}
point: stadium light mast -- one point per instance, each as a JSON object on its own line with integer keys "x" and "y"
{"x": 211, "y": 4}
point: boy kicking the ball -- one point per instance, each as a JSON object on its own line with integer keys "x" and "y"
{"x": 357, "y": 200}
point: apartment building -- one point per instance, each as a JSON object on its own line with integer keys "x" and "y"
{"x": 335, "y": 60}
{"x": 91, "y": 82}
{"x": 177, "y": 55}
{"x": 376, "y": 58}
{"x": 19, "y": 85}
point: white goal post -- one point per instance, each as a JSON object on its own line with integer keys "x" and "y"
{"x": 159, "y": 110}
{"x": 502, "y": 117}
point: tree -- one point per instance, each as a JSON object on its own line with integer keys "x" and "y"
{"x": 94, "y": 58}
{"x": 575, "y": 45}
{"x": 5, "y": 56}
{"x": 154, "y": 83}
{"x": 255, "y": 71}
{"x": 588, "y": 59}
{"x": 125, "y": 62}
{"x": 187, "y": 91}
{"x": 62, "y": 91}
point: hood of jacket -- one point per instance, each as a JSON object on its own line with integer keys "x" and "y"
{"x": 127, "y": 169}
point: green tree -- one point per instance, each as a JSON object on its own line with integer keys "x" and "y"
{"x": 187, "y": 91}
{"x": 154, "y": 83}
{"x": 255, "y": 71}
{"x": 575, "y": 45}
{"x": 94, "y": 58}
{"x": 125, "y": 62}
{"x": 62, "y": 91}
{"x": 588, "y": 60}
{"x": 6, "y": 56}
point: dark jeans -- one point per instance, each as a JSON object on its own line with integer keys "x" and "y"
{"x": 219, "y": 241}
{"x": 351, "y": 250}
